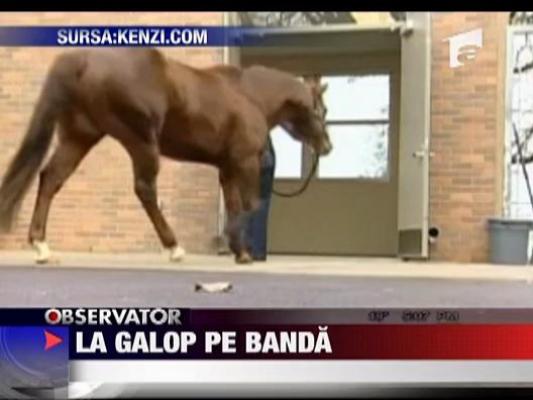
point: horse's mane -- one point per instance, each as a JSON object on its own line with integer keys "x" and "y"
{"x": 251, "y": 81}
{"x": 238, "y": 75}
{"x": 227, "y": 71}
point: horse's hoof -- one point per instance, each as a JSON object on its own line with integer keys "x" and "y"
{"x": 43, "y": 252}
{"x": 177, "y": 253}
{"x": 244, "y": 258}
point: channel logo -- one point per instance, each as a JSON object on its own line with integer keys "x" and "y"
{"x": 464, "y": 47}
{"x": 113, "y": 316}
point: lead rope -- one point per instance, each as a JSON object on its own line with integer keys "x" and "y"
{"x": 305, "y": 184}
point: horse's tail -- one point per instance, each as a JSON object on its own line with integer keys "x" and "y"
{"x": 32, "y": 151}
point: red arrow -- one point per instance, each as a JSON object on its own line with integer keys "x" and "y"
{"x": 51, "y": 340}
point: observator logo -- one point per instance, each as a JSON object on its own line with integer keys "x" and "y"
{"x": 113, "y": 316}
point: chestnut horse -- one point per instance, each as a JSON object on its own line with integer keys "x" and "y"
{"x": 155, "y": 107}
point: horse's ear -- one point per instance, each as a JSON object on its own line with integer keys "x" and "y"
{"x": 312, "y": 80}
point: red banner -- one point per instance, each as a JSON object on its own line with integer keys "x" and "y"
{"x": 432, "y": 342}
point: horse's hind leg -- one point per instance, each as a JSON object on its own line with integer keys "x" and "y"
{"x": 67, "y": 156}
{"x": 145, "y": 160}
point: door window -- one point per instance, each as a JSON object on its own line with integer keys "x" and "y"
{"x": 358, "y": 125}
{"x": 359, "y": 151}
{"x": 288, "y": 154}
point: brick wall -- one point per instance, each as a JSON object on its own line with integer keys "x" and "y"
{"x": 466, "y": 136}
{"x": 97, "y": 210}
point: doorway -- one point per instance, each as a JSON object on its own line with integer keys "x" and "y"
{"x": 350, "y": 206}
{"x": 369, "y": 197}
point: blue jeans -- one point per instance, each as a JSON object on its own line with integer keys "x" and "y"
{"x": 257, "y": 224}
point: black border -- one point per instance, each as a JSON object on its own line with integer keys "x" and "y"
{"x": 261, "y": 5}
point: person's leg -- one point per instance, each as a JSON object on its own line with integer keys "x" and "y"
{"x": 256, "y": 232}
{"x": 258, "y": 222}
{"x": 268, "y": 181}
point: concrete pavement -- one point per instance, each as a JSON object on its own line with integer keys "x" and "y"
{"x": 111, "y": 287}
{"x": 141, "y": 280}
{"x": 292, "y": 265}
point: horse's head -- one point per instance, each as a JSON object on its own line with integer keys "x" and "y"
{"x": 307, "y": 115}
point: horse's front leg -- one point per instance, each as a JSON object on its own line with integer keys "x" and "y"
{"x": 241, "y": 194}
{"x": 236, "y": 221}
